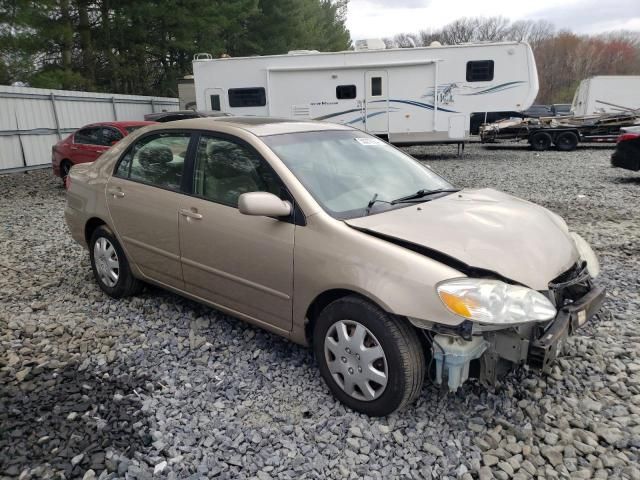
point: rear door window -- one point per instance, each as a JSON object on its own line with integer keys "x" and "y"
{"x": 156, "y": 160}
{"x": 88, "y": 136}
{"x": 110, "y": 136}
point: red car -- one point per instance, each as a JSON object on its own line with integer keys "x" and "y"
{"x": 88, "y": 143}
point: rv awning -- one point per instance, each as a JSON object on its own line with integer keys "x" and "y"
{"x": 354, "y": 66}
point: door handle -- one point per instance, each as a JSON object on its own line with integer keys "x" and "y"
{"x": 185, "y": 212}
{"x": 116, "y": 192}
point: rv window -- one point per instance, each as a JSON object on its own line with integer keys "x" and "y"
{"x": 247, "y": 97}
{"x": 480, "y": 71}
{"x": 215, "y": 103}
{"x": 345, "y": 92}
{"x": 376, "y": 86}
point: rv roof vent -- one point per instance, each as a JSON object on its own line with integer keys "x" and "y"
{"x": 370, "y": 44}
{"x": 435, "y": 43}
{"x": 202, "y": 56}
{"x": 301, "y": 52}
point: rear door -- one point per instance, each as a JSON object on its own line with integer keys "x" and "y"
{"x": 143, "y": 197}
{"x": 241, "y": 262}
{"x": 376, "y": 102}
{"x": 86, "y": 145}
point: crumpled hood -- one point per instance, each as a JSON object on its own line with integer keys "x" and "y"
{"x": 484, "y": 229}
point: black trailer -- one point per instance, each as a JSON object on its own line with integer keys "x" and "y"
{"x": 563, "y": 132}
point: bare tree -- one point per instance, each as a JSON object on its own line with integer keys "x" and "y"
{"x": 539, "y": 32}
{"x": 389, "y": 43}
{"x": 407, "y": 40}
{"x": 491, "y": 29}
{"x": 459, "y": 31}
{"x": 562, "y": 58}
{"x": 427, "y": 37}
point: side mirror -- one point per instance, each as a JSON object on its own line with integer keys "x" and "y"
{"x": 263, "y": 204}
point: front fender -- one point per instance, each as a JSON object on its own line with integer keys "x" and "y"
{"x": 331, "y": 255}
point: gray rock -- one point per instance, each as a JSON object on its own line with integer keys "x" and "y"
{"x": 490, "y": 460}
{"x": 506, "y": 467}
{"x": 485, "y": 473}
{"x": 159, "y": 468}
{"x": 89, "y": 475}
{"x": 432, "y": 449}
{"x": 552, "y": 454}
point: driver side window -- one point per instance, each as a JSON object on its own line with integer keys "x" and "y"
{"x": 224, "y": 170}
{"x": 156, "y": 160}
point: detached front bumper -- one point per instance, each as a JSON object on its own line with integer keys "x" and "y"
{"x": 535, "y": 345}
{"x": 544, "y": 349}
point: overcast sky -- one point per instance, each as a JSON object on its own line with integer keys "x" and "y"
{"x": 385, "y": 18}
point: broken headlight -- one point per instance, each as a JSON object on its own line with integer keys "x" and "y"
{"x": 586, "y": 253}
{"x": 494, "y": 302}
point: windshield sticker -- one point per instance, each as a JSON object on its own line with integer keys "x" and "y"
{"x": 368, "y": 141}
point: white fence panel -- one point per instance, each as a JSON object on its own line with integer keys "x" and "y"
{"x": 32, "y": 120}
{"x": 11, "y": 152}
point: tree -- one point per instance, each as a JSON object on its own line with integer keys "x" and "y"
{"x": 143, "y": 47}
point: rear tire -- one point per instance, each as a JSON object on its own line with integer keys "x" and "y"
{"x": 65, "y": 167}
{"x": 540, "y": 141}
{"x": 566, "y": 141}
{"x": 110, "y": 265}
{"x": 372, "y": 361}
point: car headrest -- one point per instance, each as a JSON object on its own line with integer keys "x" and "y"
{"x": 228, "y": 161}
{"x": 152, "y": 155}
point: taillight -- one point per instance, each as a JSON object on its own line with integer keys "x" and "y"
{"x": 625, "y": 137}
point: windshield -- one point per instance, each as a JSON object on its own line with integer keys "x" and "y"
{"x": 345, "y": 171}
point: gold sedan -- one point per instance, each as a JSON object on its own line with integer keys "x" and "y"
{"x": 336, "y": 239}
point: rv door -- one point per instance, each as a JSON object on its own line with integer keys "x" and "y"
{"x": 376, "y": 105}
{"x": 214, "y": 99}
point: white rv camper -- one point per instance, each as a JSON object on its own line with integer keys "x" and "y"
{"x": 408, "y": 95}
{"x": 607, "y": 94}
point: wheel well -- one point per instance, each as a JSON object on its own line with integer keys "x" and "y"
{"x": 90, "y": 227}
{"x": 320, "y": 302}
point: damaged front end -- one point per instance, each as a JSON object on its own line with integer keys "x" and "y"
{"x": 494, "y": 349}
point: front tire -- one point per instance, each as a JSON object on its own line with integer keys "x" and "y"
{"x": 110, "y": 266}
{"x": 372, "y": 361}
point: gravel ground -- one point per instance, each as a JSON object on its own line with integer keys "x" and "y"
{"x": 160, "y": 387}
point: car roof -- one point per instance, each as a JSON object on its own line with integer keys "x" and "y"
{"x": 259, "y": 126}
{"x": 138, "y": 123}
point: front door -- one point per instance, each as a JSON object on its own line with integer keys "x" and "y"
{"x": 240, "y": 262}
{"x": 376, "y": 102}
{"x": 143, "y": 198}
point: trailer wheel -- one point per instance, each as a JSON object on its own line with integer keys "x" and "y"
{"x": 566, "y": 141}
{"x": 540, "y": 141}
